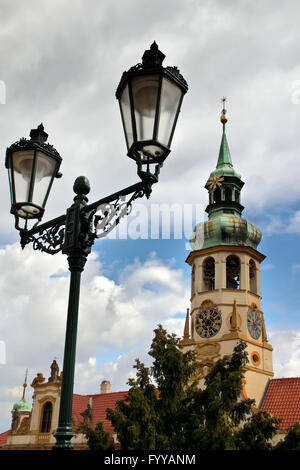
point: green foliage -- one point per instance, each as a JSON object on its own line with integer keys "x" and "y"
{"x": 147, "y": 419}
{"x": 97, "y": 438}
{"x": 178, "y": 415}
{"x": 257, "y": 431}
{"x": 291, "y": 440}
{"x": 134, "y": 418}
{"x": 216, "y": 411}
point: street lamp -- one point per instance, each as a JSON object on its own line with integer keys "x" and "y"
{"x": 150, "y": 97}
{"x": 32, "y": 166}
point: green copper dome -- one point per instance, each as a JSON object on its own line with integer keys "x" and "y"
{"x": 22, "y": 405}
{"x": 225, "y": 230}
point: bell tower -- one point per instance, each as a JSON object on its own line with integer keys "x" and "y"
{"x": 225, "y": 280}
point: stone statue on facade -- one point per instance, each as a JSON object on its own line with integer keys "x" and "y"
{"x": 88, "y": 416}
{"x": 54, "y": 372}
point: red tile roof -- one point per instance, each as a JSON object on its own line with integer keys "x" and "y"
{"x": 3, "y": 437}
{"x": 282, "y": 399}
{"x": 100, "y": 402}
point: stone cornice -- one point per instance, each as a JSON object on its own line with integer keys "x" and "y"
{"x": 227, "y": 248}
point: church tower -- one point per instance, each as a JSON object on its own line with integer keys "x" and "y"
{"x": 225, "y": 280}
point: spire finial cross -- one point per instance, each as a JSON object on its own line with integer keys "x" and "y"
{"x": 223, "y": 116}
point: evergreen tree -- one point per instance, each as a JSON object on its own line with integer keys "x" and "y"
{"x": 97, "y": 438}
{"x": 177, "y": 415}
{"x": 291, "y": 440}
{"x": 257, "y": 432}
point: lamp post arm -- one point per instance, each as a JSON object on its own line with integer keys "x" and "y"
{"x": 108, "y": 199}
{"x": 49, "y": 237}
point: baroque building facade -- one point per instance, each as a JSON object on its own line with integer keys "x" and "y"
{"x": 33, "y": 426}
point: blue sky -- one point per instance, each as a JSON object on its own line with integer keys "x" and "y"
{"x": 66, "y": 76}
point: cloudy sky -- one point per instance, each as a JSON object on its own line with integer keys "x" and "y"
{"x": 61, "y": 62}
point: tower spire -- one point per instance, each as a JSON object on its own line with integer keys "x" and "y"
{"x": 224, "y": 159}
{"x": 224, "y": 184}
{"x": 25, "y": 384}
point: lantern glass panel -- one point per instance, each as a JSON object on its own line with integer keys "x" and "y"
{"x": 22, "y": 168}
{"x": 44, "y": 172}
{"x": 169, "y": 102}
{"x": 10, "y": 180}
{"x": 126, "y": 115}
{"x": 145, "y": 93}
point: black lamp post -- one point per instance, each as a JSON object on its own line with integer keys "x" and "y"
{"x": 150, "y": 97}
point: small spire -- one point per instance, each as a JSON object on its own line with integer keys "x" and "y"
{"x": 186, "y": 333}
{"x": 224, "y": 153}
{"x": 25, "y": 384}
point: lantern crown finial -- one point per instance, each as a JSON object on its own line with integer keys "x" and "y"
{"x": 153, "y": 56}
{"x": 39, "y": 134}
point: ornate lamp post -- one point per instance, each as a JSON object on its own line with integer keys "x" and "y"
{"x": 150, "y": 97}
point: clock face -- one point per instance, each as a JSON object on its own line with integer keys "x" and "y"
{"x": 208, "y": 323}
{"x": 254, "y": 324}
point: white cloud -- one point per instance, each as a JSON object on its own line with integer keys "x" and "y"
{"x": 294, "y": 223}
{"x": 267, "y": 267}
{"x": 112, "y": 317}
{"x": 286, "y": 354}
{"x": 13, "y": 393}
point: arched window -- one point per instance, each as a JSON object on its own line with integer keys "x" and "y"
{"x": 252, "y": 276}
{"x": 233, "y": 272}
{"x": 217, "y": 195}
{"x": 228, "y": 194}
{"x": 209, "y": 274}
{"x": 47, "y": 416}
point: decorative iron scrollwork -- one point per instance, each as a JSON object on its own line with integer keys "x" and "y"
{"x": 77, "y": 230}
{"x": 48, "y": 240}
{"x": 111, "y": 213}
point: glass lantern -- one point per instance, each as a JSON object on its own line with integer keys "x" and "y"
{"x": 32, "y": 166}
{"x": 150, "y": 98}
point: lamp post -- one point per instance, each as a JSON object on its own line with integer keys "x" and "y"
{"x": 150, "y": 98}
